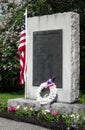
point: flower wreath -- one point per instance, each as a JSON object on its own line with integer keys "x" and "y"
{"x": 52, "y": 95}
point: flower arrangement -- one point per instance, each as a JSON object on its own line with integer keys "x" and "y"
{"x": 71, "y": 121}
{"x": 49, "y": 84}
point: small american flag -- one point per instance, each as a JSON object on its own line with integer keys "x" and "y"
{"x": 22, "y": 53}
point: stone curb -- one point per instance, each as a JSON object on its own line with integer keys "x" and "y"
{"x": 59, "y": 107}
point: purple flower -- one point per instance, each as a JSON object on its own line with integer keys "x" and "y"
{"x": 1, "y": 4}
{"x": 68, "y": 128}
{"x": 74, "y": 123}
{"x": 84, "y": 119}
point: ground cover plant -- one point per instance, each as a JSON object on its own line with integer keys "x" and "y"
{"x": 45, "y": 117}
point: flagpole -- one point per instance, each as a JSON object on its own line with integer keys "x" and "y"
{"x": 25, "y": 75}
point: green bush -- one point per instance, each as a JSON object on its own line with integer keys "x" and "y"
{"x": 9, "y": 67}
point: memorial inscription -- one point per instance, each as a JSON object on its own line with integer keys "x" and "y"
{"x": 47, "y": 56}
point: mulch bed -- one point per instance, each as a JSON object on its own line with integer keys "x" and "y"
{"x": 33, "y": 120}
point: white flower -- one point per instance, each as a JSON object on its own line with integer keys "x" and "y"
{"x": 18, "y": 107}
{"x": 77, "y": 116}
{"x": 31, "y": 108}
{"x": 73, "y": 116}
{"x": 63, "y": 116}
{"x": 45, "y": 111}
{"x": 25, "y": 108}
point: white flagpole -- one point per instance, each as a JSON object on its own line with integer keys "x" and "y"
{"x": 25, "y": 74}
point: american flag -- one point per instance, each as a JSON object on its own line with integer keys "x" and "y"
{"x": 22, "y": 53}
{"x": 50, "y": 83}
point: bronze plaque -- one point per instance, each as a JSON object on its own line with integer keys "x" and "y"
{"x": 47, "y": 56}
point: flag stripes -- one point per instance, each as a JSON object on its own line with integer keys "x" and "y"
{"x": 22, "y": 53}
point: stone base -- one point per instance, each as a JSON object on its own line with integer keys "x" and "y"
{"x": 59, "y": 107}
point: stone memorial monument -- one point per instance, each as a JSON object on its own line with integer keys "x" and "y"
{"x": 53, "y": 50}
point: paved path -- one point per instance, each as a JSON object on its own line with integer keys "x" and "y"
{"x": 6, "y": 124}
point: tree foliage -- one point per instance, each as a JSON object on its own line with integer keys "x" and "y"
{"x": 44, "y": 7}
{"x": 9, "y": 35}
{"x": 9, "y": 67}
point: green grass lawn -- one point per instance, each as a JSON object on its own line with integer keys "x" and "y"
{"x": 5, "y": 96}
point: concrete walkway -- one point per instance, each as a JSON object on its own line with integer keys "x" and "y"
{"x": 6, "y": 124}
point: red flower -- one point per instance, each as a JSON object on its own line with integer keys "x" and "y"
{"x": 11, "y": 108}
{"x": 54, "y": 113}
